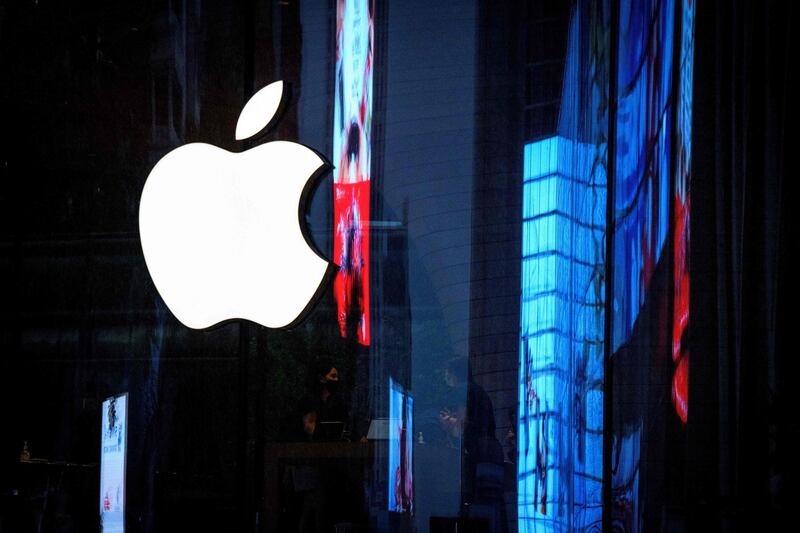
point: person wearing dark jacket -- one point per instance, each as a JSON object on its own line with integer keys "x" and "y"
{"x": 482, "y": 454}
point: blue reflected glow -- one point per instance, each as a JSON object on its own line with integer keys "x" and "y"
{"x": 560, "y": 422}
{"x": 647, "y": 126}
{"x": 561, "y": 348}
{"x": 644, "y": 129}
{"x": 560, "y": 425}
{"x": 401, "y": 447}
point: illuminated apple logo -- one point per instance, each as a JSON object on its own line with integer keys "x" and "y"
{"x": 221, "y": 231}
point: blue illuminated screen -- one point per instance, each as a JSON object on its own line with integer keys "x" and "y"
{"x": 401, "y": 431}
{"x": 113, "y": 458}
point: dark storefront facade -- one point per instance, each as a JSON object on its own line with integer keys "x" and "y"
{"x": 525, "y": 218}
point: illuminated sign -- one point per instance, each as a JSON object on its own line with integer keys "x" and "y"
{"x": 401, "y": 448}
{"x": 643, "y": 155}
{"x": 352, "y": 152}
{"x": 221, "y": 231}
{"x": 113, "y": 455}
{"x": 560, "y": 401}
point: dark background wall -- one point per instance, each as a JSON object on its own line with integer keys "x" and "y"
{"x": 743, "y": 432}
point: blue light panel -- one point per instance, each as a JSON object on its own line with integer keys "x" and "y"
{"x": 643, "y": 155}
{"x": 561, "y": 348}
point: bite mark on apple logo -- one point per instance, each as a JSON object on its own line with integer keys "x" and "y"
{"x": 222, "y": 234}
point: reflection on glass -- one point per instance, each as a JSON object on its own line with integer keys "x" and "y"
{"x": 643, "y": 143}
{"x": 560, "y": 423}
{"x": 113, "y": 459}
{"x": 352, "y": 149}
{"x": 561, "y": 349}
{"x": 401, "y": 431}
{"x": 653, "y": 139}
{"x": 681, "y": 211}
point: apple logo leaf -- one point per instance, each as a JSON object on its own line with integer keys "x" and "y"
{"x": 259, "y": 111}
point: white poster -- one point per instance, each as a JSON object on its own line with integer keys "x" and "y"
{"x": 113, "y": 452}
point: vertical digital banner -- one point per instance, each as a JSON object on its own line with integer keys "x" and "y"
{"x": 113, "y": 456}
{"x": 559, "y": 465}
{"x": 643, "y": 193}
{"x": 643, "y": 155}
{"x": 682, "y": 204}
{"x": 562, "y": 307}
{"x": 401, "y": 447}
{"x": 352, "y": 144}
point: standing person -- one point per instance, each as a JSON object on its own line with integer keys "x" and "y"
{"x": 482, "y": 454}
{"x": 316, "y": 483}
{"x": 323, "y": 402}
